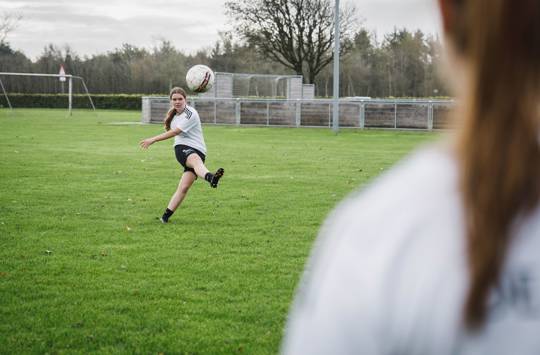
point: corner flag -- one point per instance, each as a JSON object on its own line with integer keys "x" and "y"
{"x": 62, "y": 72}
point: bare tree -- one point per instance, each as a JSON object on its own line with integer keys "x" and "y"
{"x": 296, "y": 33}
{"x": 8, "y": 22}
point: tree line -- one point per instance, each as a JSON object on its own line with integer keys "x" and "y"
{"x": 401, "y": 64}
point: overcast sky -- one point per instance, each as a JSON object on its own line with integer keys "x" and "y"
{"x": 98, "y": 26}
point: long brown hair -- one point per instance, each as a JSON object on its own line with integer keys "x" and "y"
{"x": 172, "y": 111}
{"x": 498, "y": 143}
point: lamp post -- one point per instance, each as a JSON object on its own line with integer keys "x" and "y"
{"x": 335, "y": 112}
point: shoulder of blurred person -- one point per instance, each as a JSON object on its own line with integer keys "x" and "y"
{"x": 388, "y": 273}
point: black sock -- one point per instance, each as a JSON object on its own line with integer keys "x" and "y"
{"x": 168, "y": 213}
{"x": 208, "y": 177}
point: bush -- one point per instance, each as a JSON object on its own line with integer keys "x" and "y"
{"x": 115, "y": 101}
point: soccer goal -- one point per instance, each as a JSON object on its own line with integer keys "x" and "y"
{"x": 61, "y": 77}
{"x": 269, "y": 86}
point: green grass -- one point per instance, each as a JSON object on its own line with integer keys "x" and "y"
{"x": 85, "y": 267}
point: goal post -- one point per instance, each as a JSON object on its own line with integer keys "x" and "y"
{"x": 69, "y": 77}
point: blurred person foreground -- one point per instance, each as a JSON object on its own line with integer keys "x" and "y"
{"x": 439, "y": 255}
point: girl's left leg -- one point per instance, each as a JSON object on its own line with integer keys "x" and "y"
{"x": 195, "y": 162}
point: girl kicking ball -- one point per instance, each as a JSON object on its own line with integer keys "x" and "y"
{"x": 183, "y": 123}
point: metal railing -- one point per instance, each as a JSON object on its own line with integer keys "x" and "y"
{"x": 353, "y": 113}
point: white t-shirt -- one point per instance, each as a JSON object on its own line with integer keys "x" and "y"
{"x": 388, "y": 274}
{"x": 190, "y": 125}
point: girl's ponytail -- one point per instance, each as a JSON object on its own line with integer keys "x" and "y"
{"x": 499, "y": 151}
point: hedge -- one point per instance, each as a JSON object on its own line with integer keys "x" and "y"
{"x": 120, "y": 102}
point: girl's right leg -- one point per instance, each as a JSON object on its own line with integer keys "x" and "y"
{"x": 188, "y": 178}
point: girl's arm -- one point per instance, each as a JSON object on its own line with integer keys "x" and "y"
{"x": 145, "y": 143}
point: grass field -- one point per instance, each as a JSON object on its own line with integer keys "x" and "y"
{"x": 85, "y": 267}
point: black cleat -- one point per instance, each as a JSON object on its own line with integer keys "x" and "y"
{"x": 217, "y": 175}
{"x": 164, "y": 220}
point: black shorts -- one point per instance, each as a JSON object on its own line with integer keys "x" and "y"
{"x": 182, "y": 152}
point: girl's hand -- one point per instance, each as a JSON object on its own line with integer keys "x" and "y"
{"x": 145, "y": 143}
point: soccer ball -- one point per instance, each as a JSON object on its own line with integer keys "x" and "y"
{"x": 200, "y": 78}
